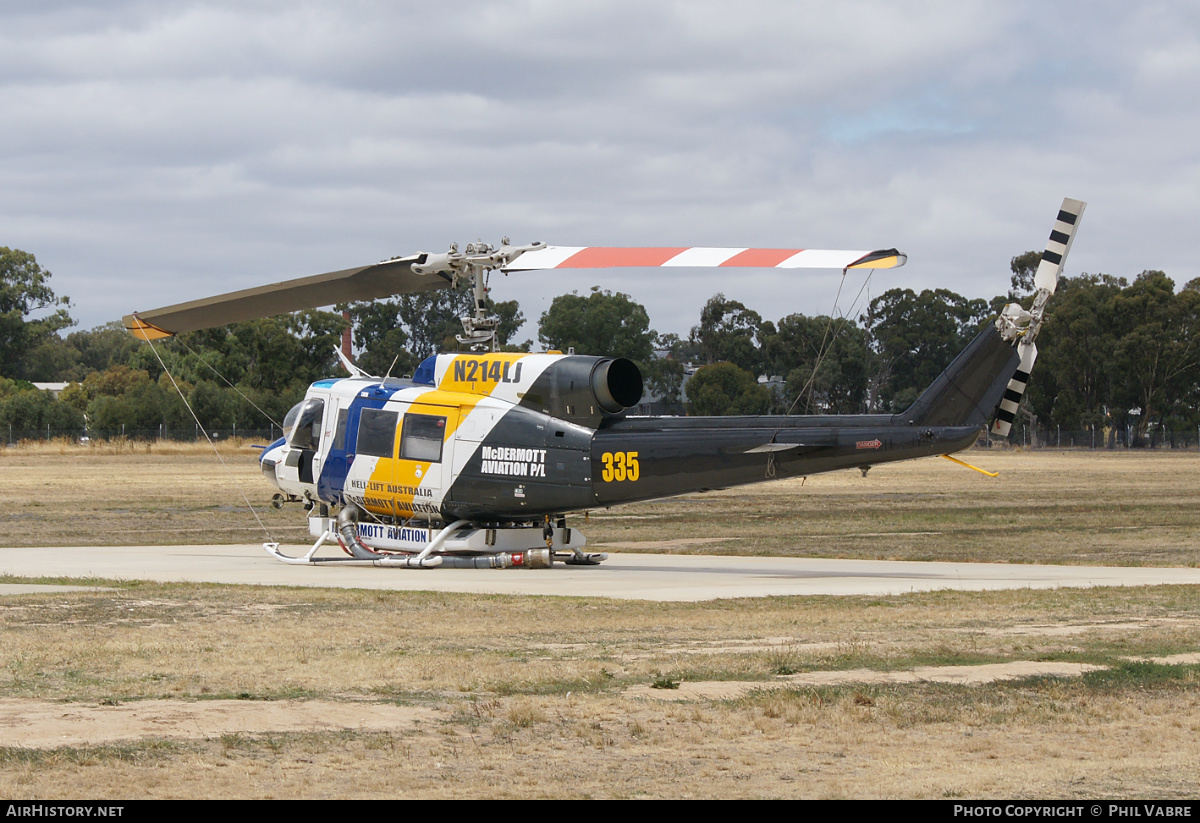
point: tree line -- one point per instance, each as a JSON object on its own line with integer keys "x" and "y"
{"x": 1114, "y": 353}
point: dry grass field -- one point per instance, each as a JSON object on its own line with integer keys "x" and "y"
{"x": 1108, "y": 508}
{"x": 157, "y": 690}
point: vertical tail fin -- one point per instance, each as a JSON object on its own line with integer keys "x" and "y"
{"x": 967, "y": 391}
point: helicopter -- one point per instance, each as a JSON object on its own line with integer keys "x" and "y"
{"x": 478, "y": 459}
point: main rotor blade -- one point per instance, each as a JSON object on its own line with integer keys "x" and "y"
{"x": 600, "y": 257}
{"x": 373, "y": 282}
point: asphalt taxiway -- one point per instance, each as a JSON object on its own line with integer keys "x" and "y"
{"x": 628, "y": 576}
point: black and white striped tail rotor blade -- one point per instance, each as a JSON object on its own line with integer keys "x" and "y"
{"x": 1007, "y": 412}
{"x": 1059, "y": 245}
{"x": 1045, "y": 281}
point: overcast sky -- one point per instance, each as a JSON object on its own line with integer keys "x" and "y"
{"x": 154, "y": 152}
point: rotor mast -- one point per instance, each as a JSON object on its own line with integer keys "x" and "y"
{"x": 477, "y": 261}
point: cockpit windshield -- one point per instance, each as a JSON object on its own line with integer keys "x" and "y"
{"x": 289, "y": 419}
{"x": 303, "y": 422}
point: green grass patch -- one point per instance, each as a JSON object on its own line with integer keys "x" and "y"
{"x": 141, "y": 751}
{"x": 1142, "y": 675}
{"x": 17, "y": 579}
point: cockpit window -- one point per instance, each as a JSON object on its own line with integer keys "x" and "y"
{"x": 306, "y": 433}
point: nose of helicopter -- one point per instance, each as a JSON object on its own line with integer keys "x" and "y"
{"x": 269, "y": 459}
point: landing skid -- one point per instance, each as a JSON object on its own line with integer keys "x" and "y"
{"x": 459, "y": 545}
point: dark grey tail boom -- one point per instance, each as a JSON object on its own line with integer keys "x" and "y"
{"x": 677, "y": 455}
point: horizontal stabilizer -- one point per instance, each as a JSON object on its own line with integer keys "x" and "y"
{"x": 767, "y": 448}
{"x": 600, "y": 257}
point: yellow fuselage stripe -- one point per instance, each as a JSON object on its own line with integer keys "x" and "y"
{"x": 392, "y": 476}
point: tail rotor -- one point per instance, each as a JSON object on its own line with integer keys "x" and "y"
{"x": 1021, "y": 327}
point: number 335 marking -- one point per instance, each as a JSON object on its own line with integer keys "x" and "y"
{"x": 620, "y": 466}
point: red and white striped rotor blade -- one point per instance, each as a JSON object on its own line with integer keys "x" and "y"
{"x": 601, "y": 257}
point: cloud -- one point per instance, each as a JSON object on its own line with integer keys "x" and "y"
{"x": 156, "y": 152}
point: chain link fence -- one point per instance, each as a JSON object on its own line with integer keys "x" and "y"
{"x": 13, "y": 436}
{"x": 1111, "y": 438}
